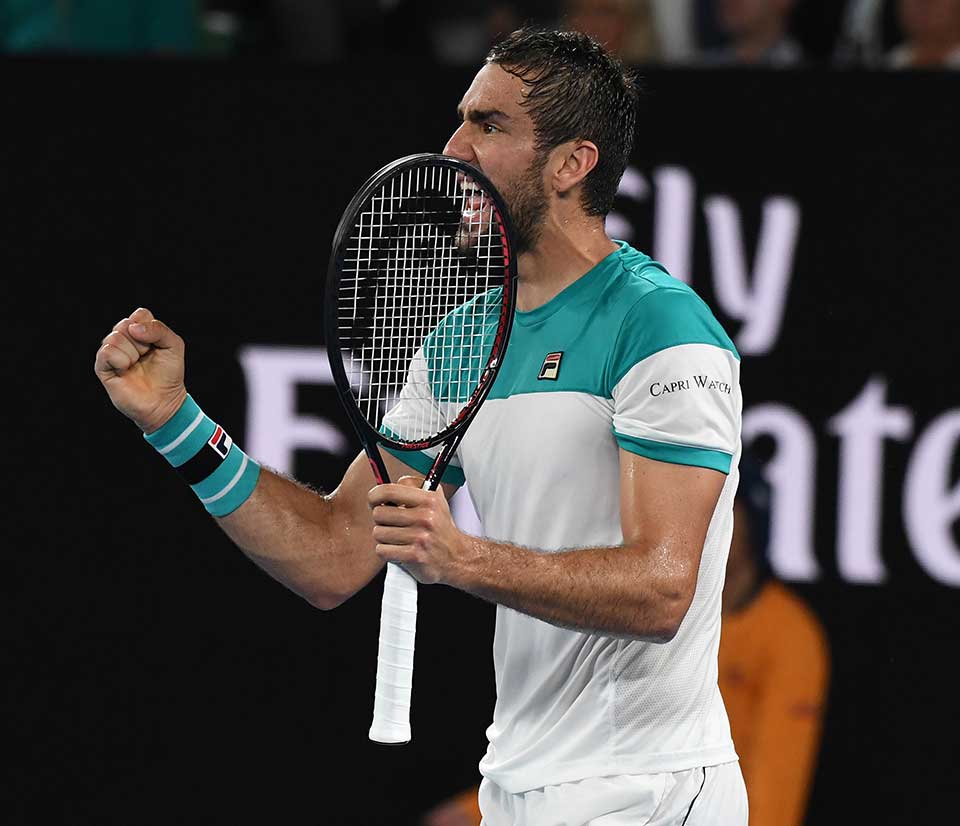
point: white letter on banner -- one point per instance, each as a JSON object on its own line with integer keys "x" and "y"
{"x": 760, "y": 308}
{"x": 930, "y": 506}
{"x": 791, "y": 474}
{"x": 274, "y": 428}
{"x": 673, "y": 220}
{"x": 862, "y": 426}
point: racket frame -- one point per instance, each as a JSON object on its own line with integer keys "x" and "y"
{"x": 451, "y": 435}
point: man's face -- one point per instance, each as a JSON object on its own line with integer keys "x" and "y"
{"x": 497, "y": 136}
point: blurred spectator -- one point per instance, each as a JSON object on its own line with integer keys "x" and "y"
{"x": 99, "y": 26}
{"x": 673, "y": 21}
{"x": 932, "y": 31}
{"x": 861, "y": 38}
{"x": 310, "y": 30}
{"x": 757, "y": 34}
{"x": 462, "y": 810}
{"x": 462, "y": 33}
{"x": 816, "y": 25}
{"x": 625, "y": 27}
{"x": 774, "y": 666}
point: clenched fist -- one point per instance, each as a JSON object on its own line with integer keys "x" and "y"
{"x": 140, "y": 363}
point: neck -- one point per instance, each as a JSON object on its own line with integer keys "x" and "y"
{"x": 567, "y": 249}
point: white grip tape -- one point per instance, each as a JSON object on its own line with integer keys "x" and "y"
{"x": 398, "y": 629}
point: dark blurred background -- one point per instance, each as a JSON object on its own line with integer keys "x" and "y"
{"x": 195, "y": 158}
{"x": 874, "y": 33}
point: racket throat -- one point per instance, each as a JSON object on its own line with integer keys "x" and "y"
{"x": 378, "y": 467}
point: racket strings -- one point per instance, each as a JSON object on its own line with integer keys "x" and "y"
{"x": 419, "y": 307}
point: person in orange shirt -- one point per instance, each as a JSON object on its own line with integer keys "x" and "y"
{"x": 774, "y": 667}
{"x": 773, "y": 674}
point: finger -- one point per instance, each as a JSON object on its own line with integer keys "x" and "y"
{"x": 395, "y": 553}
{"x": 412, "y": 481}
{"x": 394, "y": 516}
{"x": 124, "y": 344}
{"x": 121, "y": 327}
{"x": 141, "y": 315}
{"x": 396, "y": 495}
{"x": 397, "y": 536}
{"x": 155, "y": 332}
{"x": 110, "y": 361}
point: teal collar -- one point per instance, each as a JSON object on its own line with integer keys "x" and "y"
{"x": 590, "y": 280}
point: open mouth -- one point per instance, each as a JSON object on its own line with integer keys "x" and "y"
{"x": 474, "y": 206}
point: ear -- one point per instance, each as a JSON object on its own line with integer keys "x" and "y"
{"x": 575, "y": 159}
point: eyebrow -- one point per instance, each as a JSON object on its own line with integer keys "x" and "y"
{"x": 481, "y": 115}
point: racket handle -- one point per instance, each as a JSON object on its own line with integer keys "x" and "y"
{"x": 398, "y": 629}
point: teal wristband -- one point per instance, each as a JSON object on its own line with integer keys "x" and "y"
{"x": 218, "y": 471}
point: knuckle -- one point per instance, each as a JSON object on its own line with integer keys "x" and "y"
{"x": 120, "y": 342}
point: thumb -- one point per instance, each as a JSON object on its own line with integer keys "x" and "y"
{"x": 412, "y": 481}
{"x": 156, "y": 333}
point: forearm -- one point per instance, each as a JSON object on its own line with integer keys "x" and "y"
{"x": 303, "y": 540}
{"x": 319, "y": 547}
{"x": 622, "y": 591}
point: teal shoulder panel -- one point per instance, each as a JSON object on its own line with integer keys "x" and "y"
{"x": 602, "y": 325}
{"x": 668, "y": 316}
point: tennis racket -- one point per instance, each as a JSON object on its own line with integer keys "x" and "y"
{"x": 420, "y": 299}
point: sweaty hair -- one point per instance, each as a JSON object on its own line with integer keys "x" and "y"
{"x": 577, "y": 90}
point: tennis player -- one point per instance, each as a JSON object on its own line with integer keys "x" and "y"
{"x": 603, "y": 466}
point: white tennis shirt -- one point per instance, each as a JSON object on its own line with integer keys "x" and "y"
{"x": 625, "y": 357}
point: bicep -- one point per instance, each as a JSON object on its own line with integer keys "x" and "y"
{"x": 666, "y": 508}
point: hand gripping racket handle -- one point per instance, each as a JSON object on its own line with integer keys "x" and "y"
{"x": 398, "y": 629}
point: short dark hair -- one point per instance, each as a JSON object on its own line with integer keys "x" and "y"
{"x": 577, "y": 90}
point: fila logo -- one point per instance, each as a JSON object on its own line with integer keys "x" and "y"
{"x": 551, "y": 366}
{"x": 220, "y": 442}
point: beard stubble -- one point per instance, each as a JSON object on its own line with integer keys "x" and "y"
{"x": 527, "y": 203}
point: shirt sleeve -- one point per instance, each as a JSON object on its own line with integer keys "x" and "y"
{"x": 675, "y": 378}
{"x": 417, "y": 415}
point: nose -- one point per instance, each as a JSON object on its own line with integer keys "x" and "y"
{"x": 458, "y": 146}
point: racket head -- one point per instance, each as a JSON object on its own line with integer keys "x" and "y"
{"x": 421, "y": 266}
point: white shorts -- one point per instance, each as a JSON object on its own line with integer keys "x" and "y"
{"x": 710, "y": 796}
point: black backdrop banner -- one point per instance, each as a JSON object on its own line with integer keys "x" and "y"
{"x": 154, "y": 675}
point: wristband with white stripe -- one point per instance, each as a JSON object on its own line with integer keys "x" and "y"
{"x": 217, "y": 470}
